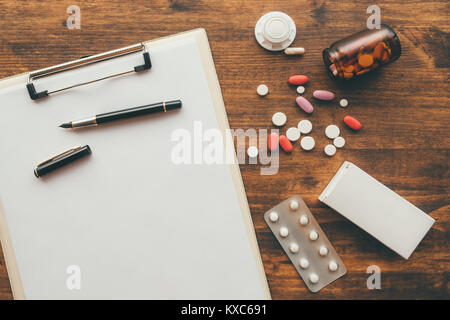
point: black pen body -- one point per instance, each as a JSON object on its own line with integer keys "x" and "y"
{"x": 137, "y": 111}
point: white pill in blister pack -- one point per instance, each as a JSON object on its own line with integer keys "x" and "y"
{"x": 304, "y": 242}
{"x": 273, "y": 216}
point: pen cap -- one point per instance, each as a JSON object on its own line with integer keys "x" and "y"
{"x": 174, "y": 104}
{"x": 61, "y": 160}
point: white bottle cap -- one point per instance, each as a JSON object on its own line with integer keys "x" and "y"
{"x": 275, "y": 31}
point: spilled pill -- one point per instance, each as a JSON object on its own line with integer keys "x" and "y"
{"x": 300, "y": 89}
{"x": 279, "y": 119}
{"x": 305, "y": 126}
{"x": 262, "y": 90}
{"x": 285, "y": 144}
{"x": 293, "y": 134}
{"x": 343, "y": 103}
{"x": 323, "y": 95}
{"x": 332, "y": 131}
{"x": 304, "y": 263}
{"x": 292, "y": 51}
{"x": 339, "y": 142}
{"x": 307, "y": 143}
{"x": 284, "y": 232}
{"x": 298, "y": 80}
{"x": 273, "y": 142}
{"x": 252, "y": 152}
{"x": 273, "y": 216}
{"x": 304, "y": 104}
{"x": 330, "y": 150}
{"x": 352, "y": 123}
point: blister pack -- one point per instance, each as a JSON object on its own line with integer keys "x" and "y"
{"x": 305, "y": 243}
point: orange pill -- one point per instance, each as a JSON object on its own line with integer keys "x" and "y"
{"x": 273, "y": 142}
{"x": 365, "y": 60}
{"x": 285, "y": 144}
{"x": 298, "y": 80}
{"x": 378, "y": 51}
{"x": 352, "y": 123}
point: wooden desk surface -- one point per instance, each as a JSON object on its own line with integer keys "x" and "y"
{"x": 404, "y": 110}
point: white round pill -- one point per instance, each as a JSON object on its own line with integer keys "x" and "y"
{"x": 300, "y": 89}
{"x": 284, "y": 232}
{"x": 262, "y": 90}
{"x": 313, "y": 235}
{"x": 273, "y": 216}
{"x": 332, "y": 266}
{"x": 293, "y": 134}
{"x": 330, "y": 150}
{"x": 303, "y": 220}
{"x": 339, "y": 142}
{"x": 252, "y": 151}
{"x": 343, "y": 103}
{"x": 304, "y": 263}
{"x": 293, "y": 247}
{"x": 305, "y": 126}
{"x": 307, "y": 143}
{"x": 332, "y": 131}
{"x": 313, "y": 278}
{"x": 323, "y": 251}
{"x": 294, "y": 205}
{"x": 279, "y": 119}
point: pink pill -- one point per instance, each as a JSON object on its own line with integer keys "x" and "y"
{"x": 323, "y": 95}
{"x": 304, "y": 104}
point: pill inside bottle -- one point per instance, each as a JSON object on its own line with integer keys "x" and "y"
{"x": 361, "y": 53}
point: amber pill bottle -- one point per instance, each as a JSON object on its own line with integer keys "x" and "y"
{"x": 362, "y": 52}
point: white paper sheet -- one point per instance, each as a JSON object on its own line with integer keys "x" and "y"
{"x": 137, "y": 225}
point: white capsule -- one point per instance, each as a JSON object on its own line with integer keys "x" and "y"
{"x": 343, "y": 103}
{"x": 330, "y": 150}
{"x": 304, "y": 263}
{"x": 284, "y": 232}
{"x": 332, "y": 131}
{"x": 305, "y": 126}
{"x": 293, "y": 134}
{"x": 333, "y": 266}
{"x": 262, "y": 90}
{"x": 293, "y": 51}
{"x": 339, "y": 142}
{"x": 279, "y": 119}
{"x": 252, "y": 152}
{"x": 293, "y": 205}
{"x": 307, "y": 143}
{"x": 313, "y": 278}
{"x": 313, "y": 235}
{"x": 273, "y": 216}
{"x": 303, "y": 220}
{"x": 323, "y": 251}
{"x": 301, "y": 89}
{"x": 293, "y": 247}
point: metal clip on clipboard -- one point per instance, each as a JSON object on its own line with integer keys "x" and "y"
{"x": 84, "y": 62}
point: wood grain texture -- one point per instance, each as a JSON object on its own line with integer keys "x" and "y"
{"x": 403, "y": 108}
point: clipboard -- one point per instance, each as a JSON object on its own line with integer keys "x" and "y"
{"x": 228, "y": 261}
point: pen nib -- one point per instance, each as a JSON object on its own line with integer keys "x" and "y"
{"x": 66, "y": 125}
